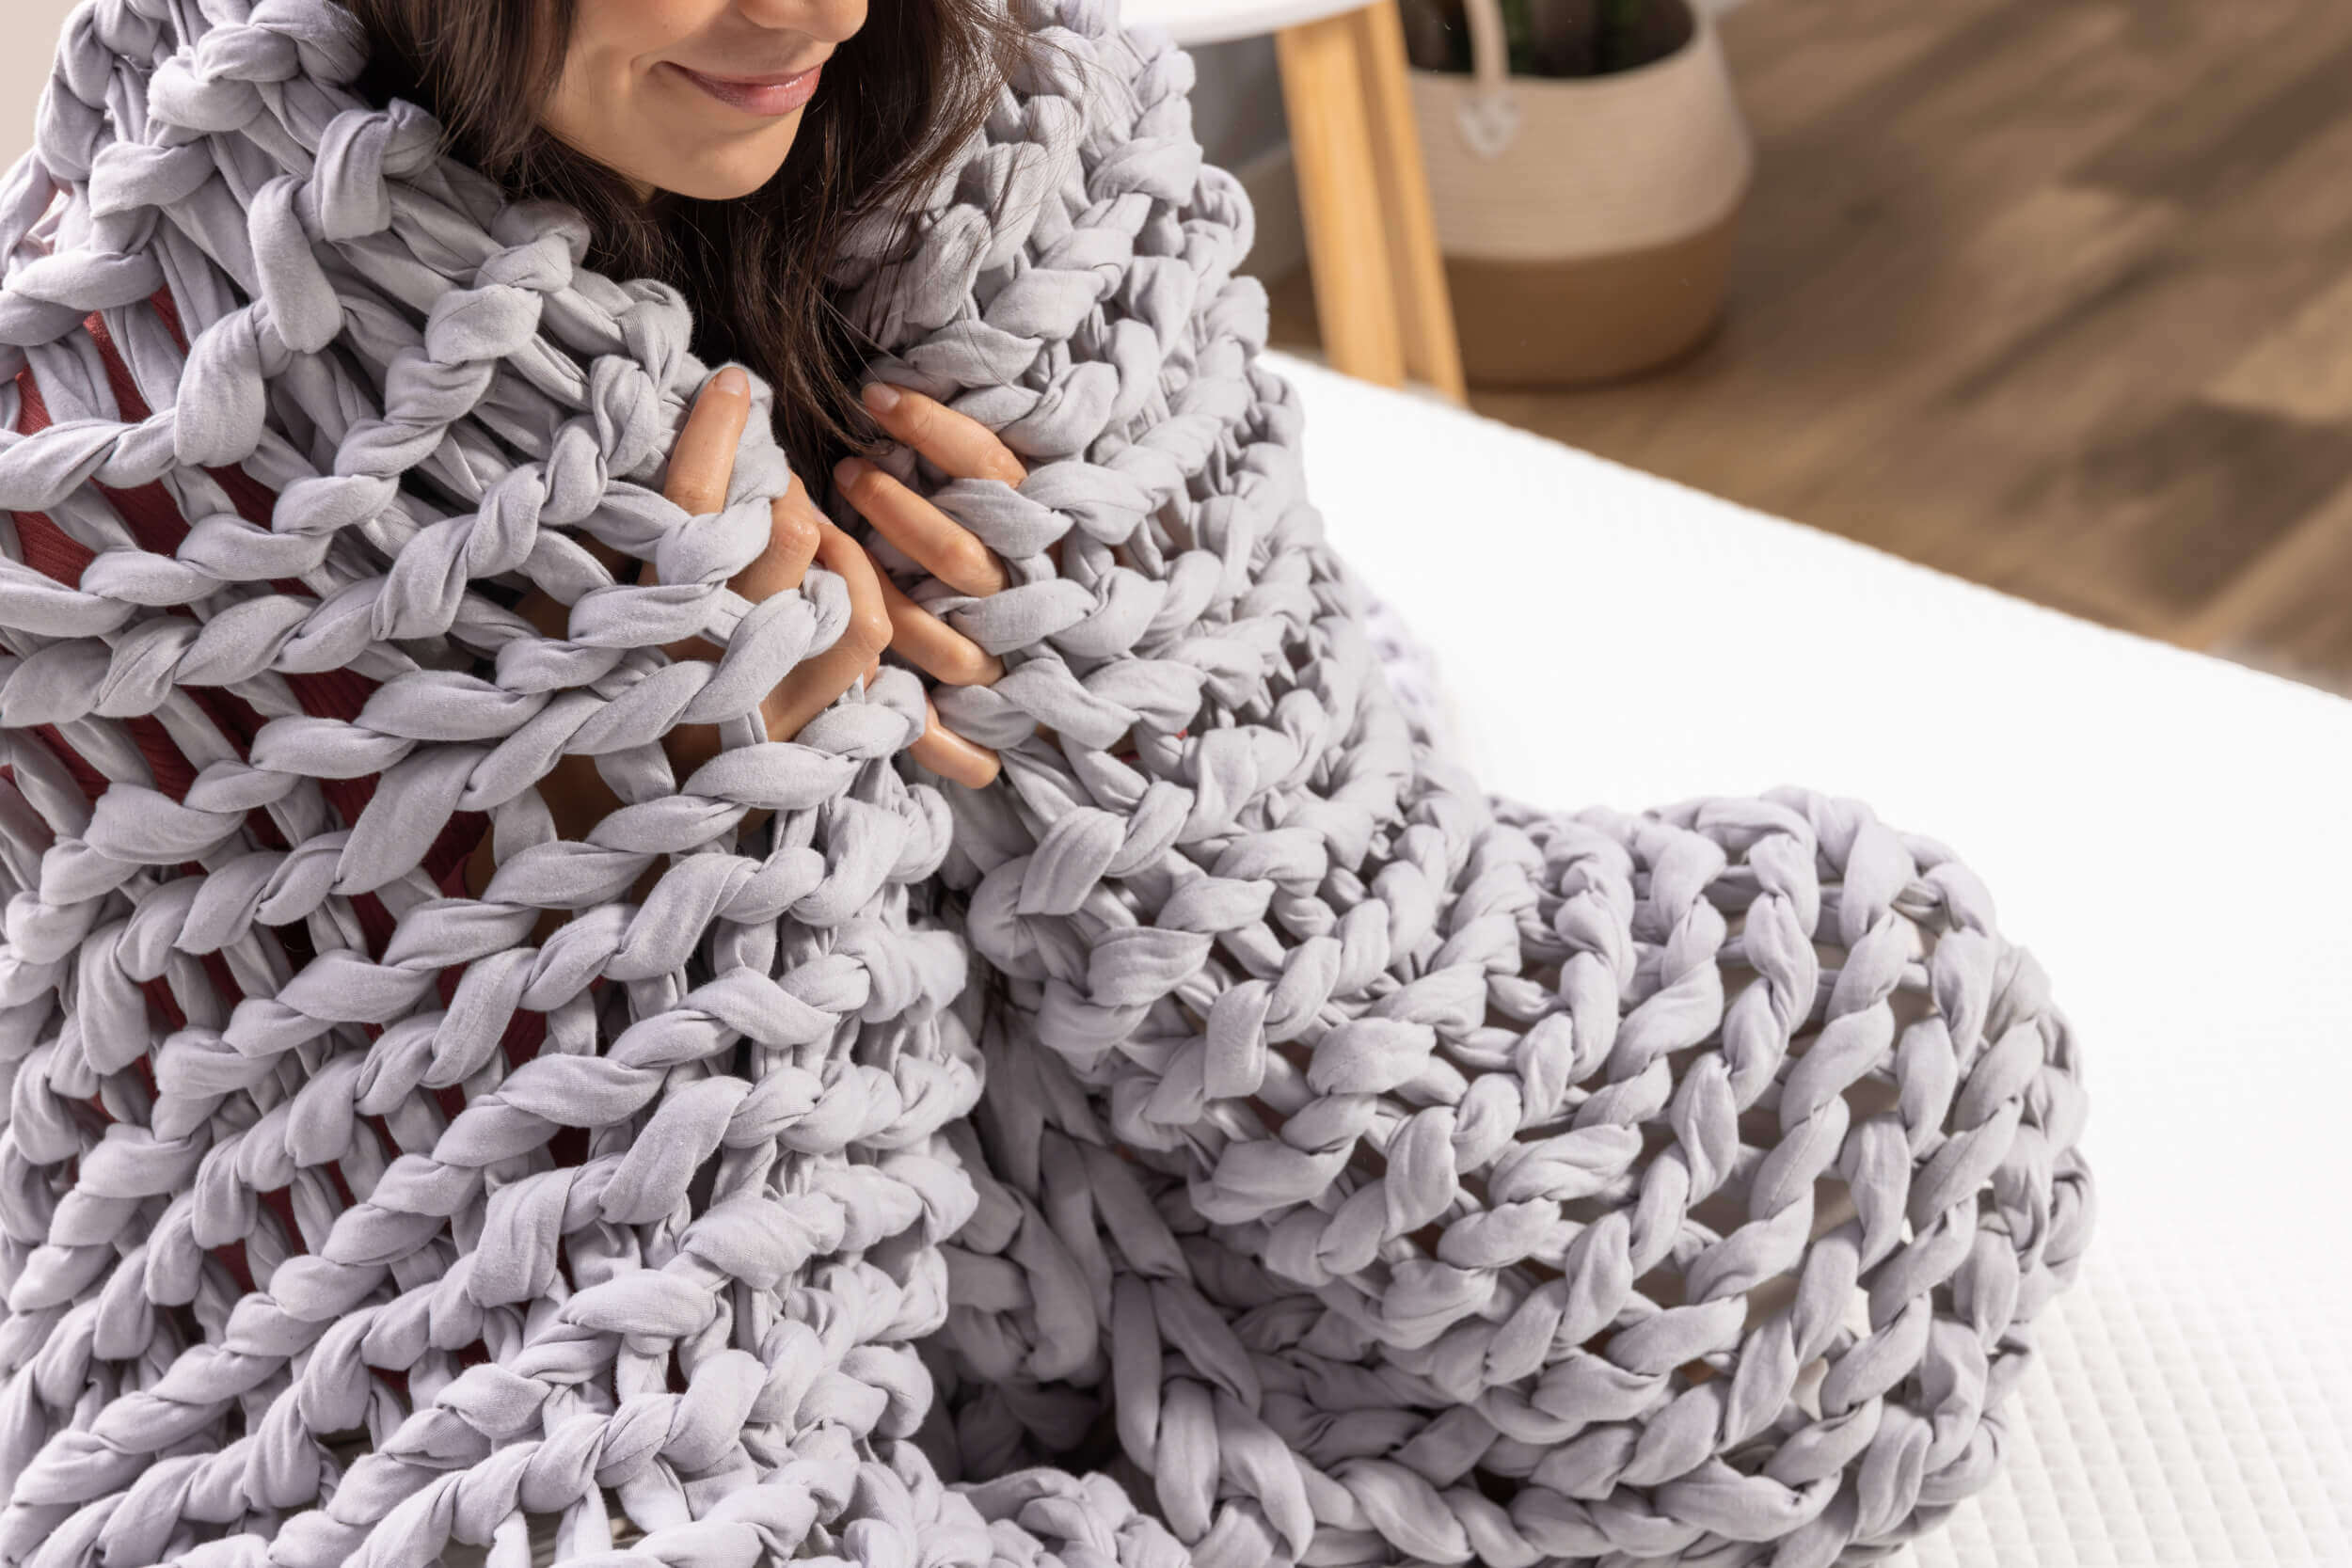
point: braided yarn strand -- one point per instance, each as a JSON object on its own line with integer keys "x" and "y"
{"x": 1399, "y": 1175}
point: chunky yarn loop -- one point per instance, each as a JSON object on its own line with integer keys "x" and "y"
{"x": 1231, "y": 1139}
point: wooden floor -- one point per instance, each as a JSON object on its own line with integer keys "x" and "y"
{"x": 2055, "y": 295}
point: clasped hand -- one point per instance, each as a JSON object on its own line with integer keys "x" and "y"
{"x": 881, "y": 617}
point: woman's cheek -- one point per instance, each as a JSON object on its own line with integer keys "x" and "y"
{"x": 618, "y": 104}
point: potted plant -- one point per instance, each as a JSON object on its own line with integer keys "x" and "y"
{"x": 1587, "y": 164}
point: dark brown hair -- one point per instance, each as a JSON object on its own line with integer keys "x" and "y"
{"x": 897, "y": 99}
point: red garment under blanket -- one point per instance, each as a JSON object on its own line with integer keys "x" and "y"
{"x": 154, "y": 521}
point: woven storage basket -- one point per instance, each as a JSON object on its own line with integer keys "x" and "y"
{"x": 1587, "y": 222}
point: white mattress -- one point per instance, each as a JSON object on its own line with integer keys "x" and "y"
{"x": 2171, "y": 834}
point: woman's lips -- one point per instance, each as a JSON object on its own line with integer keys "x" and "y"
{"x": 769, "y": 97}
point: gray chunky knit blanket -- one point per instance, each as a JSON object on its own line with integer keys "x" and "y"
{"x": 1229, "y": 1139}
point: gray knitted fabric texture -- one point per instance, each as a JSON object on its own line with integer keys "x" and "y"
{"x": 1231, "y": 1139}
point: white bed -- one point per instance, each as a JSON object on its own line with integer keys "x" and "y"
{"x": 2171, "y": 834}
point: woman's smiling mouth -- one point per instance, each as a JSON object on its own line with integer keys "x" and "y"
{"x": 768, "y": 97}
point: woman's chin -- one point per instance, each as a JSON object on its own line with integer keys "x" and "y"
{"x": 727, "y": 170}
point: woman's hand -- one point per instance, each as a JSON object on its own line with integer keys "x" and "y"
{"x": 961, "y": 447}
{"x": 700, "y": 467}
{"x": 881, "y": 617}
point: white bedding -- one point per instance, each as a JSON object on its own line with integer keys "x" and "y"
{"x": 2171, "y": 834}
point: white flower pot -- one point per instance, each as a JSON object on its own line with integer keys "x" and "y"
{"x": 1587, "y": 222}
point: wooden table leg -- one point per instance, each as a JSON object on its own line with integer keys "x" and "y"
{"x": 1340, "y": 197}
{"x": 1432, "y": 352}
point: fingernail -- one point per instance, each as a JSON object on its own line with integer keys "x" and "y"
{"x": 846, "y": 471}
{"x": 879, "y": 396}
{"x": 733, "y": 382}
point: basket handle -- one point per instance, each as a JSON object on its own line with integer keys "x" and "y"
{"x": 1490, "y": 115}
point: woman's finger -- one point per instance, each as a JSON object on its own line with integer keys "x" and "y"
{"x": 794, "y": 527}
{"x": 952, "y": 757}
{"x": 704, "y": 459}
{"x": 922, "y": 532}
{"x": 961, "y": 446}
{"x": 814, "y": 683}
{"x": 935, "y": 647}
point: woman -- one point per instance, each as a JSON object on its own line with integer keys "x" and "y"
{"x": 688, "y": 131}
{"x": 1425, "y": 1178}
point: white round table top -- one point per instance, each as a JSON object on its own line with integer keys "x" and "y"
{"x": 1197, "y": 22}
